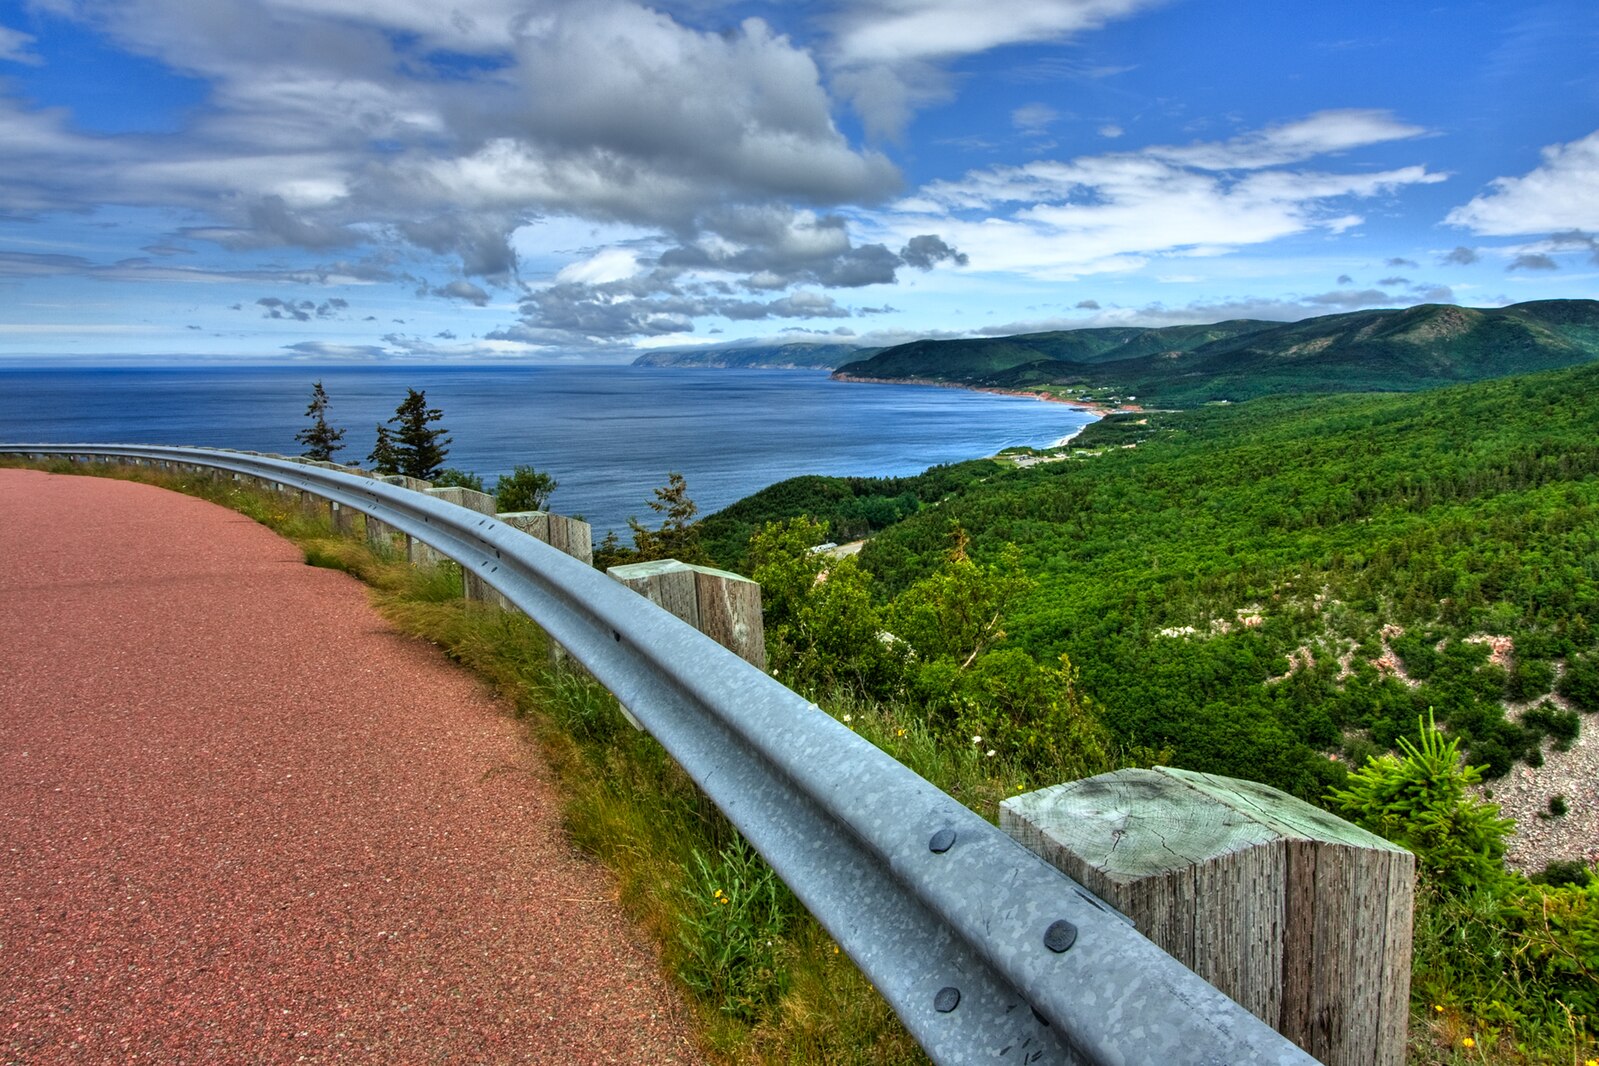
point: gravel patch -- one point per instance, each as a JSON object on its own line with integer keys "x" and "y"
{"x": 244, "y": 820}
{"x": 1524, "y": 794}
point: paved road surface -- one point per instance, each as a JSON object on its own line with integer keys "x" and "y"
{"x": 243, "y": 820}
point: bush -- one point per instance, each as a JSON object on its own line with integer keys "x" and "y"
{"x": 1564, "y": 872}
{"x": 1580, "y": 684}
{"x": 1530, "y": 679}
{"x": 1419, "y": 800}
{"x": 450, "y": 477}
{"x": 1556, "y": 931}
{"x": 523, "y": 489}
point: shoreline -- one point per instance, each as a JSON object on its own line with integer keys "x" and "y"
{"x": 1098, "y": 410}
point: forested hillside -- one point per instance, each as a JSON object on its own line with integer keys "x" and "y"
{"x": 1392, "y": 350}
{"x": 1257, "y": 584}
{"x": 1262, "y": 585}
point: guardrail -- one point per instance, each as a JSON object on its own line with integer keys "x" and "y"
{"x": 984, "y": 951}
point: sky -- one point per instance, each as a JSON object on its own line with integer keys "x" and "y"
{"x": 556, "y": 180}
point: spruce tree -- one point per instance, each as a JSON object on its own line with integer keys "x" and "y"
{"x": 384, "y": 459}
{"x": 678, "y": 538}
{"x": 320, "y": 439}
{"x": 419, "y": 451}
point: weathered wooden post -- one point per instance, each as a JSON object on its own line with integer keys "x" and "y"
{"x": 573, "y": 536}
{"x": 381, "y": 533}
{"x": 1299, "y": 916}
{"x": 472, "y": 500}
{"x": 344, "y": 519}
{"x": 725, "y": 607}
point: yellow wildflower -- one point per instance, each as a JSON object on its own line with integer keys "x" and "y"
{"x": 1468, "y": 1042}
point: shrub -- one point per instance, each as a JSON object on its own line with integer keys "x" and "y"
{"x": 523, "y": 489}
{"x": 462, "y": 479}
{"x": 1419, "y": 799}
{"x": 1580, "y": 684}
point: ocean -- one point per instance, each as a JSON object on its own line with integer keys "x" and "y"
{"x": 609, "y": 434}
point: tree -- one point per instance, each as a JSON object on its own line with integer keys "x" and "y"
{"x": 320, "y": 439}
{"x": 678, "y": 538}
{"x": 1421, "y": 799}
{"x": 461, "y": 479}
{"x": 418, "y": 449}
{"x": 384, "y": 459}
{"x": 523, "y": 489}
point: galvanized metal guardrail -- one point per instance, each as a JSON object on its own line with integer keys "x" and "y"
{"x": 984, "y": 951}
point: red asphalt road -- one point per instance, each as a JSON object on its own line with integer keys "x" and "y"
{"x": 244, "y": 820}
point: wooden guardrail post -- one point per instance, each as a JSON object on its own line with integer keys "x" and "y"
{"x": 473, "y": 500}
{"x": 1301, "y": 917}
{"x": 725, "y": 607}
{"x": 573, "y": 536}
{"x": 379, "y": 533}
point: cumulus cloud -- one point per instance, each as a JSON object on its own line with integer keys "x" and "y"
{"x": 1561, "y": 193}
{"x": 1391, "y": 282}
{"x": 1087, "y": 305}
{"x": 1398, "y": 262}
{"x": 461, "y": 290}
{"x": 927, "y": 250}
{"x": 1459, "y": 256}
{"x": 1345, "y": 279}
{"x": 335, "y": 124}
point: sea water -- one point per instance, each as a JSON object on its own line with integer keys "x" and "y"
{"x": 608, "y": 434}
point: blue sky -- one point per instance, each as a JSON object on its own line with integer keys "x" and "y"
{"x": 338, "y": 180}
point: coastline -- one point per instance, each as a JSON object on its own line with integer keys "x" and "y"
{"x": 1100, "y": 409}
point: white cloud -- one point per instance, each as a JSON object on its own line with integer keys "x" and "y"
{"x": 612, "y": 264}
{"x": 1034, "y": 118}
{"x": 14, "y": 47}
{"x": 1292, "y": 142}
{"x": 885, "y": 53}
{"x": 1560, "y": 194}
{"x": 338, "y": 121}
{"x": 1108, "y": 213}
{"x": 890, "y": 31}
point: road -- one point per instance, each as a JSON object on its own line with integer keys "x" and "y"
{"x": 242, "y": 819}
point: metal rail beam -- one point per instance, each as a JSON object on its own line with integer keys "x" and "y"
{"x": 985, "y": 952}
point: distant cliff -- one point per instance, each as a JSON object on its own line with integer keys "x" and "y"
{"x": 1377, "y": 351}
{"x": 798, "y": 356}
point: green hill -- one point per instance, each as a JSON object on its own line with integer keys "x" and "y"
{"x": 1396, "y": 351}
{"x": 1260, "y": 586}
{"x": 1225, "y": 582}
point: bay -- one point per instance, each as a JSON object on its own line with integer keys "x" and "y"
{"x": 608, "y": 434}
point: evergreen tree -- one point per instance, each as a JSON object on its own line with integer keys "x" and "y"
{"x": 384, "y": 459}
{"x": 678, "y": 538}
{"x": 419, "y": 450}
{"x": 320, "y": 439}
